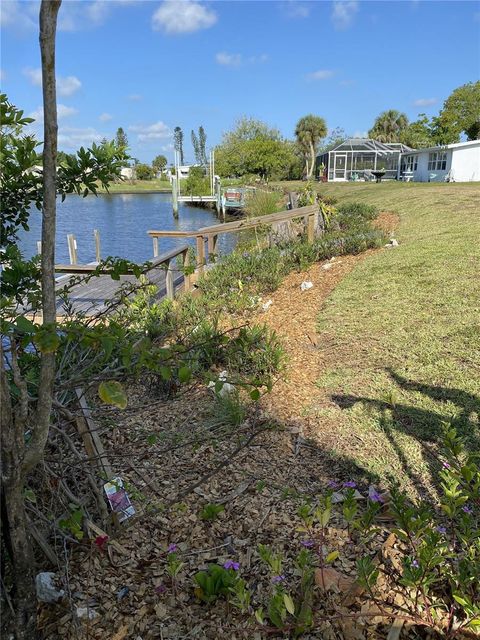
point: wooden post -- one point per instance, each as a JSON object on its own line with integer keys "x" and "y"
{"x": 200, "y": 253}
{"x": 212, "y": 241}
{"x": 72, "y": 248}
{"x": 311, "y": 228}
{"x": 292, "y": 200}
{"x": 186, "y": 277}
{"x": 96, "y": 235}
{"x": 169, "y": 281}
{"x": 89, "y": 432}
{"x": 39, "y": 247}
{"x": 155, "y": 247}
{"x": 175, "y": 195}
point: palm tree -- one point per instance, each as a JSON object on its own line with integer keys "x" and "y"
{"x": 388, "y": 126}
{"x": 309, "y": 131}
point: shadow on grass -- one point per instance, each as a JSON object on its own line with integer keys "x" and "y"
{"x": 426, "y": 426}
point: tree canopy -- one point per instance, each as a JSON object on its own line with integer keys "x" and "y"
{"x": 159, "y": 163}
{"x": 460, "y": 114}
{"x": 253, "y": 148}
{"x": 309, "y": 131}
{"x": 178, "y": 142}
{"x": 389, "y": 126}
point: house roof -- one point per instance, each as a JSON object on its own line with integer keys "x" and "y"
{"x": 369, "y": 144}
{"x": 442, "y": 147}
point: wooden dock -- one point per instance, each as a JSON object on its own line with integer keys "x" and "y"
{"x": 94, "y": 296}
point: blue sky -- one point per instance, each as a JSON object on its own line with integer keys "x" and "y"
{"x": 150, "y": 66}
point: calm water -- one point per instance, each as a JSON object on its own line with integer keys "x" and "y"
{"x": 123, "y": 222}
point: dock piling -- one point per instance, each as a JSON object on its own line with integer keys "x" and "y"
{"x": 98, "y": 255}
{"x": 72, "y": 248}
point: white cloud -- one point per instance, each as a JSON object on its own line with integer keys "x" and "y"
{"x": 105, "y": 117}
{"x": 424, "y": 102}
{"x": 74, "y": 137}
{"x": 65, "y": 86}
{"x": 75, "y": 16}
{"x": 229, "y": 59}
{"x": 321, "y": 74}
{"x": 135, "y": 97}
{"x": 360, "y": 134}
{"x": 236, "y": 59}
{"x": 295, "y": 9}
{"x": 20, "y": 15}
{"x": 182, "y": 16}
{"x": 157, "y": 131}
{"x": 62, "y": 112}
{"x": 68, "y": 86}
{"x": 343, "y": 13}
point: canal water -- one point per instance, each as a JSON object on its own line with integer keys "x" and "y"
{"x": 123, "y": 221}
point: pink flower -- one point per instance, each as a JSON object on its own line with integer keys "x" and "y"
{"x": 101, "y": 541}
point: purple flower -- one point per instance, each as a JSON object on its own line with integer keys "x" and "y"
{"x": 350, "y": 484}
{"x": 172, "y": 548}
{"x": 333, "y": 485}
{"x": 374, "y": 496}
{"x": 230, "y": 564}
{"x": 160, "y": 589}
{"x": 441, "y": 529}
{"x": 307, "y": 543}
{"x": 467, "y": 509}
{"x": 278, "y": 579}
{"x": 446, "y": 465}
{"x": 415, "y": 564}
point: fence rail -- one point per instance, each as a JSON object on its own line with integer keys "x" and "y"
{"x": 209, "y": 235}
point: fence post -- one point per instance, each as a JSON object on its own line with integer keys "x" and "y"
{"x": 212, "y": 245}
{"x": 175, "y": 180}
{"x": 200, "y": 253}
{"x": 311, "y": 228}
{"x": 96, "y": 235}
{"x": 169, "y": 281}
{"x": 186, "y": 277}
{"x": 72, "y": 248}
{"x": 155, "y": 246}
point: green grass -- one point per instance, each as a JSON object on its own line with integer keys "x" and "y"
{"x": 403, "y": 333}
{"x": 138, "y": 185}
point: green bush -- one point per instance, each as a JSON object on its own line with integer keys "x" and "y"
{"x": 262, "y": 203}
{"x": 256, "y": 352}
{"x": 144, "y": 172}
{"x": 197, "y": 183}
{"x": 361, "y": 209}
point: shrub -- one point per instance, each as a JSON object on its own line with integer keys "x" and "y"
{"x": 196, "y": 183}
{"x": 360, "y": 209}
{"x": 144, "y": 172}
{"x": 256, "y": 352}
{"x": 262, "y": 203}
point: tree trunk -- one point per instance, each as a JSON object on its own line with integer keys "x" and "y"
{"x": 312, "y": 158}
{"x": 17, "y": 457}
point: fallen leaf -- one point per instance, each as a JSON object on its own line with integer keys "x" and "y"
{"x": 121, "y": 633}
{"x": 395, "y": 629}
{"x": 161, "y": 610}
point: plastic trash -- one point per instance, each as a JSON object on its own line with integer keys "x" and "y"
{"x": 306, "y": 285}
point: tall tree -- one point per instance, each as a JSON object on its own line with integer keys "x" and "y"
{"x": 202, "y": 141}
{"x": 418, "y": 134}
{"x": 309, "y": 131}
{"x": 388, "y": 126}
{"x": 178, "y": 142}
{"x": 196, "y": 148}
{"x": 121, "y": 139}
{"x": 159, "y": 163}
{"x": 460, "y": 114}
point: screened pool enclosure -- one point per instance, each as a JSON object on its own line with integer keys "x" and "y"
{"x": 357, "y": 158}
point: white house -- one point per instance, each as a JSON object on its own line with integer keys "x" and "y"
{"x": 459, "y": 162}
{"x": 183, "y": 172}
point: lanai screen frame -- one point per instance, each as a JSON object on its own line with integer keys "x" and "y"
{"x": 357, "y": 155}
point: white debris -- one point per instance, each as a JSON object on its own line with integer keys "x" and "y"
{"x": 47, "y": 591}
{"x": 392, "y": 243}
{"x": 327, "y": 266}
{"x": 266, "y": 305}
{"x": 86, "y": 613}
{"x": 226, "y": 389}
{"x": 306, "y": 284}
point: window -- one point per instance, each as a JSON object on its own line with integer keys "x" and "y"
{"x": 410, "y": 163}
{"x": 437, "y": 161}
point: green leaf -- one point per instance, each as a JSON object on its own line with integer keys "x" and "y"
{"x": 289, "y": 604}
{"x": 25, "y": 325}
{"x": 259, "y": 615}
{"x": 112, "y": 392}
{"x": 166, "y": 373}
{"x": 30, "y": 495}
{"x": 184, "y": 374}
{"x": 460, "y": 600}
{"x": 47, "y": 340}
{"x": 255, "y": 395}
{"x": 332, "y": 556}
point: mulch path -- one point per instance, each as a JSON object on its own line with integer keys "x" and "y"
{"x": 130, "y": 593}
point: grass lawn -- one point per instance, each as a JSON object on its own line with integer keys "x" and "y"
{"x": 138, "y": 185}
{"x": 403, "y": 333}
